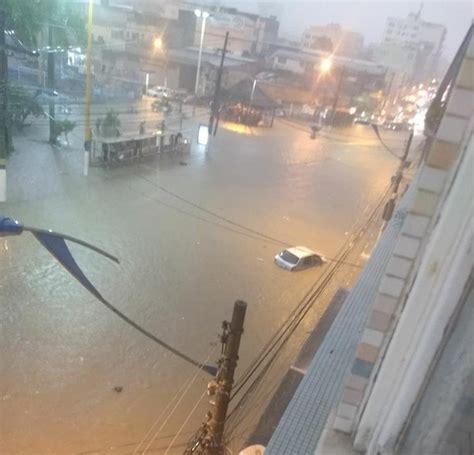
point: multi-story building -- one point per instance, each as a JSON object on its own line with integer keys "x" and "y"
{"x": 250, "y": 34}
{"x": 412, "y": 45}
{"x": 131, "y": 45}
{"x": 333, "y": 38}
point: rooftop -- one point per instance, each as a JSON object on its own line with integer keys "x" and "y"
{"x": 313, "y": 56}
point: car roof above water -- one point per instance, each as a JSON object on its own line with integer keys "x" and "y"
{"x": 301, "y": 251}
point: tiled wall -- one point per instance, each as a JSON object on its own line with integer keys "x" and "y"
{"x": 434, "y": 176}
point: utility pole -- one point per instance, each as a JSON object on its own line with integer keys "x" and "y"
{"x": 209, "y": 439}
{"x": 52, "y": 134}
{"x": 336, "y": 97}
{"x": 215, "y": 101}
{"x": 4, "y": 117}
{"x": 88, "y": 94}
{"x": 390, "y": 206}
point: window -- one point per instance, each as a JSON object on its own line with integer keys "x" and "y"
{"x": 289, "y": 257}
{"x": 308, "y": 261}
{"x": 117, "y": 34}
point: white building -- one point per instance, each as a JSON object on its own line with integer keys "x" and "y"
{"x": 412, "y": 46}
{"x": 333, "y": 38}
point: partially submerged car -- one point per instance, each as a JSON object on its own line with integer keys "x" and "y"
{"x": 298, "y": 258}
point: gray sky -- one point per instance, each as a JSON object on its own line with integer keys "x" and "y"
{"x": 366, "y": 17}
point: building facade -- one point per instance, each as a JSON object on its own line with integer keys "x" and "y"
{"x": 250, "y": 35}
{"x": 333, "y": 38}
{"x": 412, "y": 46}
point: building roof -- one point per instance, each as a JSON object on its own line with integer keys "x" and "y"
{"x": 242, "y": 93}
{"x": 190, "y": 56}
{"x": 313, "y": 56}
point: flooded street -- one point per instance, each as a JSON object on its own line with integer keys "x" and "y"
{"x": 191, "y": 239}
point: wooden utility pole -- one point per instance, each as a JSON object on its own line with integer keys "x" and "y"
{"x": 88, "y": 94}
{"x": 390, "y": 205}
{"x": 4, "y": 117}
{"x": 50, "y": 67}
{"x": 210, "y": 438}
{"x": 215, "y": 101}
{"x": 336, "y": 97}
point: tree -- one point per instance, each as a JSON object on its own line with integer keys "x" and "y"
{"x": 110, "y": 126}
{"x": 27, "y": 18}
{"x": 21, "y": 105}
{"x": 62, "y": 127}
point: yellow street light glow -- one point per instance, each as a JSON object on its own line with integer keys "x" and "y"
{"x": 326, "y": 65}
{"x": 158, "y": 43}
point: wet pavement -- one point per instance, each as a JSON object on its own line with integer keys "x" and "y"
{"x": 184, "y": 260}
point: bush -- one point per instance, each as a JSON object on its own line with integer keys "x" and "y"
{"x": 110, "y": 126}
{"x": 62, "y": 127}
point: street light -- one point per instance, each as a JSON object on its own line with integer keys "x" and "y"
{"x": 158, "y": 43}
{"x": 326, "y": 65}
{"x": 204, "y": 15}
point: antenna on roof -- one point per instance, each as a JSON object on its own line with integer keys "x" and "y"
{"x": 418, "y": 14}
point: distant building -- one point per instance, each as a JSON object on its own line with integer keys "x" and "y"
{"x": 303, "y": 65}
{"x": 413, "y": 46}
{"x": 125, "y": 50}
{"x": 333, "y": 38}
{"x": 249, "y": 34}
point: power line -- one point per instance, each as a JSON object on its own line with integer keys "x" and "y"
{"x": 185, "y": 422}
{"x": 293, "y": 321}
{"x": 182, "y": 391}
{"x": 257, "y": 235}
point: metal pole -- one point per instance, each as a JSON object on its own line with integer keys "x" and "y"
{"x": 403, "y": 161}
{"x": 196, "y": 85}
{"x": 88, "y": 94}
{"x": 52, "y": 133}
{"x": 336, "y": 98}
{"x": 226, "y": 379}
{"x": 4, "y": 118}
{"x": 215, "y": 101}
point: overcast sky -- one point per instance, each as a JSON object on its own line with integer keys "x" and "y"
{"x": 366, "y": 17}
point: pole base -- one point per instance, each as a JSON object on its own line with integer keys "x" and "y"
{"x": 3, "y": 183}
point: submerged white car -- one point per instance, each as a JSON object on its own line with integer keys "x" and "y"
{"x": 298, "y": 258}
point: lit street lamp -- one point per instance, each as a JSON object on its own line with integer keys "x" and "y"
{"x": 326, "y": 65}
{"x": 159, "y": 46}
{"x": 204, "y": 15}
{"x": 158, "y": 43}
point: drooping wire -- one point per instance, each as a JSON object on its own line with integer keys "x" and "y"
{"x": 185, "y": 422}
{"x": 183, "y": 391}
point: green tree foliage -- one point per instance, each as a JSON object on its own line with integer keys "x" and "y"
{"x": 28, "y": 18}
{"x": 21, "y": 105}
{"x": 62, "y": 127}
{"x": 110, "y": 126}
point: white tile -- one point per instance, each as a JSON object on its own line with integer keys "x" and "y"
{"x": 432, "y": 179}
{"x": 343, "y": 425}
{"x": 399, "y": 267}
{"x": 346, "y": 411}
{"x": 391, "y": 286}
{"x": 406, "y": 247}
{"x": 461, "y": 102}
{"x": 372, "y": 337}
{"x": 452, "y": 129}
{"x": 425, "y": 202}
{"x": 415, "y": 225}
